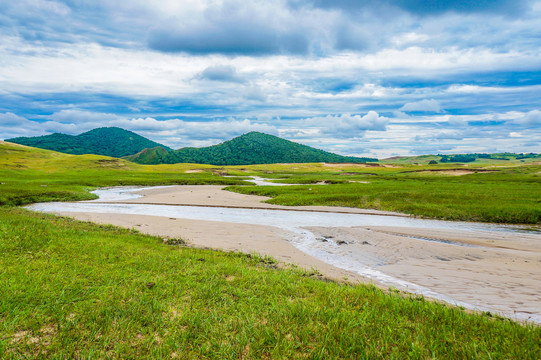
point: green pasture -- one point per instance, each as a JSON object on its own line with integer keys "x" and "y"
{"x": 503, "y": 195}
{"x": 73, "y": 289}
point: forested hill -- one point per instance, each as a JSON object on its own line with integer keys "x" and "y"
{"x": 109, "y": 141}
{"x": 250, "y": 148}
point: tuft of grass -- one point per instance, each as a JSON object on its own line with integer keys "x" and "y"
{"x": 73, "y": 289}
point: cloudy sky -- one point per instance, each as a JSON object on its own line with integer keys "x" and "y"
{"x": 357, "y": 77}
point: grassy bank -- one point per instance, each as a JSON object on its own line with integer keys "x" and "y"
{"x": 30, "y": 175}
{"x": 76, "y": 290}
{"x": 470, "y": 193}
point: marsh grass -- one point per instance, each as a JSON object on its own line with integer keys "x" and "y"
{"x": 73, "y": 289}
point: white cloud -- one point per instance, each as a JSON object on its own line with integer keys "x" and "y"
{"x": 177, "y": 133}
{"x": 349, "y": 126}
{"x": 81, "y": 116}
{"x": 409, "y": 38}
{"x": 423, "y": 105}
{"x": 10, "y": 119}
{"x": 531, "y": 118}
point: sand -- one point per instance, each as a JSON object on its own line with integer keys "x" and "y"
{"x": 213, "y": 195}
{"x": 500, "y": 272}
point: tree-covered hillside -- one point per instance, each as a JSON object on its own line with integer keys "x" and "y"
{"x": 109, "y": 141}
{"x": 251, "y": 148}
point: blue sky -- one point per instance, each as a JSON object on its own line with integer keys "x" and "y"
{"x": 395, "y": 77}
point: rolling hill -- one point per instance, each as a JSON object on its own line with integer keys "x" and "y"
{"x": 108, "y": 141}
{"x": 250, "y": 148}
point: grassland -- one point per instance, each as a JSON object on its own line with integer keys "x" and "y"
{"x": 31, "y": 175}
{"x": 77, "y": 290}
{"x": 490, "y": 192}
{"x": 477, "y": 192}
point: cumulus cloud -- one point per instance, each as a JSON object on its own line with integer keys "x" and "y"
{"x": 423, "y": 105}
{"x": 10, "y": 119}
{"x": 234, "y": 27}
{"x": 12, "y": 125}
{"x": 258, "y": 59}
{"x": 254, "y": 93}
{"x": 180, "y": 133}
{"x": 81, "y": 116}
{"x": 349, "y": 126}
{"x": 530, "y": 119}
{"x": 442, "y": 135}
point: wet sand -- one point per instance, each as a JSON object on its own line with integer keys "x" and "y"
{"x": 500, "y": 272}
{"x": 213, "y": 195}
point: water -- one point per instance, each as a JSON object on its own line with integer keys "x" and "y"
{"x": 295, "y": 222}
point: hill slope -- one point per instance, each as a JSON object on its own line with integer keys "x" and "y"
{"x": 250, "y": 148}
{"x": 108, "y": 141}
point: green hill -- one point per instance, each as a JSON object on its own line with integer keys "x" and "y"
{"x": 108, "y": 141}
{"x": 250, "y": 148}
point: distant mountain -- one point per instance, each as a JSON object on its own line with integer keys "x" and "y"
{"x": 250, "y": 148}
{"x": 109, "y": 141}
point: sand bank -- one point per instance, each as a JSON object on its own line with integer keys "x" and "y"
{"x": 213, "y": 195}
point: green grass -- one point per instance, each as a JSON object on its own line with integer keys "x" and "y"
{"x": 73, "y": 289}
{"x": 30, "y": 175}
{"x": 502, "y": 195}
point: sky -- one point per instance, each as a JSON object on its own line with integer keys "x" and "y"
{"x": 355, "y": 77}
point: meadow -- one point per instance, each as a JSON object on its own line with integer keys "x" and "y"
{"x": 475, "y": 192}
{"x": 487, "y": 191}
{"x": 77, "y": 290}
{"x": 74, "y": 289}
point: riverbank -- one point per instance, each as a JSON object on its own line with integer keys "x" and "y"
{"x": 486, "y": 271}
{"x": 79, "y": 290}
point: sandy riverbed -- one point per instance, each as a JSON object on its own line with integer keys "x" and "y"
{"x": 496, "y": 271}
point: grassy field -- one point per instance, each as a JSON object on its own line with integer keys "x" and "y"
{"x": 491, "y": 192}
{"x": 30, "y": 175}
{"x": 77, "y": 290}
{"x": 477, "y": 192}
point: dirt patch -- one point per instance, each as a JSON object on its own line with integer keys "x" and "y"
{"x": 450, "y": 172}
{"x": 115, "y": 163}
{"x": 340, "y": 165}
{"x": 193, "y": 171}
